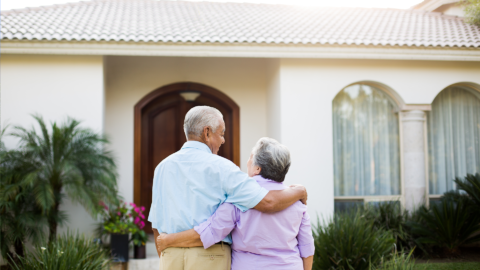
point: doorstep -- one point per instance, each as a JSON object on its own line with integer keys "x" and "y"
{"x": 144, "y": 264}
{"x": 152, "y": 262}
{"x": 137, "y": 264}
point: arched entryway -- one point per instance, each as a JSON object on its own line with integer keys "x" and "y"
{"x": 159, "y": 131}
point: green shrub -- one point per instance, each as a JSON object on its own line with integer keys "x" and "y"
{"x": 390, "y": 216}
{"x": 20, "y": 218}
{"x": 350, "y": 241}
{"x": 66, "y": 252}
{"x": 471, "y": 185}
{"x": 448, "y": 224}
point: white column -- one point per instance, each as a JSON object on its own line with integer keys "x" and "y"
{"x": 414, "y": 158}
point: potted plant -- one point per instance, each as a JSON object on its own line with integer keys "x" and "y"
{"x": 125, "y": 225}
{"x": 139, "y": 237}
{"x": 119, "y": 225}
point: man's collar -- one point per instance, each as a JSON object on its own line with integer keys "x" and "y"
{"x": 197, "y": 145}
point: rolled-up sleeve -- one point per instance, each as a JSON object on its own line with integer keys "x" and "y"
{"x": 306, "y": 244}
{"x": 218, "y": 226}
{"x": 242, "y": 191}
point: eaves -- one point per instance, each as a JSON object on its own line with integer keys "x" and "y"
{"x": 244, "y": 50}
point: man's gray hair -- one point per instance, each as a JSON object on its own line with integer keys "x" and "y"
{"x": 272, "y": 157}
{"x": 199, "y": 117}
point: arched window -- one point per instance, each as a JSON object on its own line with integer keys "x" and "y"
{"x": 453, "y": 137}
{"x": 365, "y": 146}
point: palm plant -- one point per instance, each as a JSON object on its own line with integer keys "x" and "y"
{"x": 471, "y": 185}
{"x": 20, "y": 217}
{"x": 19, "y": 220}
{"x": 69, "y": 160}
{"x": 350, "y": 241}
{"x": 448, "y": 225}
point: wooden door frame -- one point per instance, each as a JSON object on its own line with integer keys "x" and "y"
{"x": 180, "y": 87}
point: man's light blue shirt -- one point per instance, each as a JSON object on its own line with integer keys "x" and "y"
{"x": 189, "y": 185}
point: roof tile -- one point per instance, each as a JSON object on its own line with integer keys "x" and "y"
{"x": 181, "y": 21}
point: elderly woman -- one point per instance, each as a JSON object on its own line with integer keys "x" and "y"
{"x": 282, "y": 240}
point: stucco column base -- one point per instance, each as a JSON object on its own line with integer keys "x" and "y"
{"x": 414, "y": 158}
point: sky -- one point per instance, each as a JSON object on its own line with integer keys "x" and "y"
{"x": 402, "y": 4}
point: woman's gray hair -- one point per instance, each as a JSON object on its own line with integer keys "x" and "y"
{"x": 272, "y": 157}
{"x": 199, "y": 117}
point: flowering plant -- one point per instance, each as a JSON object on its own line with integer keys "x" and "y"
{"x": 139, "y": 237}
{"x": 125, "y": 220}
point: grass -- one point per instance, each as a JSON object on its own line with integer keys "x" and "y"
{"x": 448, "y": 266}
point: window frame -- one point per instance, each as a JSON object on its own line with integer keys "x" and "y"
{"x": 399, "y": 106}
{"x": 476, "y": 91}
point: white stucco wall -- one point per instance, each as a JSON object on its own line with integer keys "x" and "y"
{"x": 288, "y": 99}
{"x": 308, "y": 88}
{"x": 54, "y": 87}
{"x": 274, "y": 110}
{"x": 129, "y": 79}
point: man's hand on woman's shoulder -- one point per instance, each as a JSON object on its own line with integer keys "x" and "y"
{"x": 302, "y": 188}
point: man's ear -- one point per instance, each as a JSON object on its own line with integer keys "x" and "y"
{"x": 258, "y": 170}
{"x": 206, "y": 133}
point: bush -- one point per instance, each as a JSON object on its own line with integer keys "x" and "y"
{"x": 350, "y": 241}
{"x": 471, "y": 185}
{"x": 390, "y": 216}
{"x": 448, "y": 224}
{"x": 20, "y": 218}
{"x": 66, "y": 252}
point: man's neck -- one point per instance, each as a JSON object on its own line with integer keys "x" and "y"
{"x": 196, "y": 139}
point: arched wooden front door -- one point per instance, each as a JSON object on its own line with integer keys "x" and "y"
{"x": 159, "y": 131}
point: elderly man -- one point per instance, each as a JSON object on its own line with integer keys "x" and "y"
{"x": 190, "y": 185}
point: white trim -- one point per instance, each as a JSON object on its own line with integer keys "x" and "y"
{"x": 371, "y": 198}
{"x": 427, "y": 160}
{"x": 241, "y": 50}
{"x": 402, "y": 164}
{"x": 375, "y": 198}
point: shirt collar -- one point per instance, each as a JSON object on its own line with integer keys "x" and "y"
{"x": 260, "y": 178}
{"x": 197, "y": 145}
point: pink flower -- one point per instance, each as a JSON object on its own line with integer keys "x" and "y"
{"x": 132, "y": 204}
{"x": 141, "y": 215}
{"x": 136, "y": 209}
{"x": 103, "y": 204}
{"x": 142, "y": 224}
{"x": 119, "y": 213}
{"x": 142, "y": 208}
{"x": 137, "y": 220}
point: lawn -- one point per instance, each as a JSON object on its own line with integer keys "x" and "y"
{"x": 448, "y": 266}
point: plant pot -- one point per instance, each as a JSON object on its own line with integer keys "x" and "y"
{"x": 119, "y": 246}
{"x": 139, "y": 252}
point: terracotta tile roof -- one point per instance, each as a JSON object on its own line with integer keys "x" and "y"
{"x": 180, "y": 21}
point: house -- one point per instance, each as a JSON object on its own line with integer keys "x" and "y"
{"x": 374, "y": 104}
